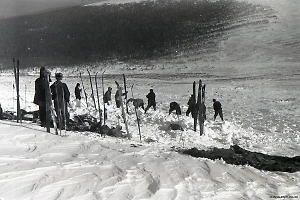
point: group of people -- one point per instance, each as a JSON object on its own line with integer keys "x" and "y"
{"x": 150, "y": 96}
{"x": 192, "y": 105}
{"x": 193, "y": 108}
{"x": 60, "y": 95}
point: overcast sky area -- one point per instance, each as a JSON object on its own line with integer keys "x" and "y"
{"x": 12, "y": 8}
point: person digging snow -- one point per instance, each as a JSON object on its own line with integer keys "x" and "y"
{"x": 218, "y": 109}
{"x": 151, "y": 100}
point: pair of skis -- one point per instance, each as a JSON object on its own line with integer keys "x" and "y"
{"x": 123, "y": 109}
{"x": 120, "y": 98}
{"x": 17, "y": 81}
{"x": 200, "y": 107}
{"x": 97, "y": 93}
{"x": 50, "y": 111}
{"x": 86, "y": 100}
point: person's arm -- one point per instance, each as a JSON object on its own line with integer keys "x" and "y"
{"x": 67, "y": 93}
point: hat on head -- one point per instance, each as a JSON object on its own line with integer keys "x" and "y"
{"x": 109, "y": 88}
{"x": 42, "y": 70}
{"x": 58, "y": 75}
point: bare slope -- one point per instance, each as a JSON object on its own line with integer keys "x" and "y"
{"x": 129, "y": 31}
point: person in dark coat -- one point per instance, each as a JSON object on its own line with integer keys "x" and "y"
{"x": 107, "y": 96}
{"x": 118, "y": 98}
{"x": 192, "y": 107}
{"x": 175, "y": 106}
{"x": 218, "y": 109}
{"x": 78, "y": 91}
{"x": 61, "y": 97}
{"x": 78, "y": 95}
{"x": 40, "y": 95}
{"x": 137, "y": 103}
{"x": 151, "y": 100}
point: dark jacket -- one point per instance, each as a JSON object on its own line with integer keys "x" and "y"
{"x": 60, "y": 90}
{"x": 77, "y": 92}
{"x": 151, "y": 97}
{"x": 192, "y": 101}
{"x": 175, "y": 106}
{"x": 117, "y": 94}
{"x": 40, "y": 96}
{"x": 217, "y": 105}
{"x": 107, "y": 96}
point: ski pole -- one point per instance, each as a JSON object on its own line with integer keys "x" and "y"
{"x": 93, "y": 96}
{"x": 104, "y": 109}
{"x": 97, "y": 92}
{"x": 137, "y": 117}
{"x": 86, "y": 101}
{"x": 25, "y": 96}
{"x": 13, "y": 101}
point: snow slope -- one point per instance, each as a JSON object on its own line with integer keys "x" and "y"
{"x": 86, "y": 166}
{"x": 39, "y": 165}
{"x": 257, "y": 82}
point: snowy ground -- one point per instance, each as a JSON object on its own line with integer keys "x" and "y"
{"x": 257, "y": 82}
{"x": 39, "y": 165}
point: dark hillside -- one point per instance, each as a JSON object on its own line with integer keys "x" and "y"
{"x": 129, "y": 31}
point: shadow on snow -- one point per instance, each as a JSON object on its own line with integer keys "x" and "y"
{"x": 238, "y": 156}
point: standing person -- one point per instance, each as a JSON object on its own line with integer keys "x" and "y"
{"x": 78, "y": 94}
{"x": 107, "y": 96}
{"x": 60, "y": 90}
{"x": 117, "y": 97}
{"x": 151, "y": 100}
{"x": 192, "y": 107}
{"x": 218, "y": 109}
{"x": 40, "y": 96}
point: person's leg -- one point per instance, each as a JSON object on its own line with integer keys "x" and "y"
{"x": 215, "y": 115}
{"x": 118, "y": 103}
{"x": 42, "y": 115}
{"x": 221, "y": 114}
{"x": 188, "y": 111}
{"x": 148, "y": 106}
{"x": 154, "y": 106}
{"x": 67, "y": 116}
